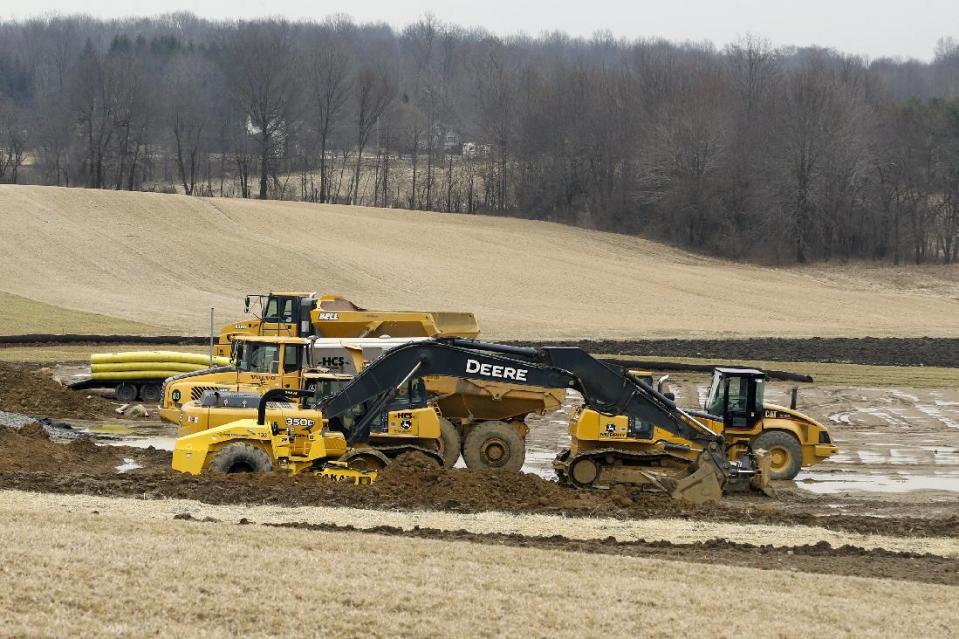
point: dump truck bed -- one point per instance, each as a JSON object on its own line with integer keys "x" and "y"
{"x": 341, "y": 318}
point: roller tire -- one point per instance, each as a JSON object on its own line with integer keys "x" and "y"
{"x": 450, "y": 443}
{"x": 241, "y": 458}
{"x": 785, "y": 450}
{"x": 494, "y": 446}
{"x": 126, "y": 393}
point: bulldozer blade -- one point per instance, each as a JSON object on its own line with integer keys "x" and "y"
{"x": 700, "y": 484}
{"x": 339, "y": 471}
{"x": 760, "y": 481}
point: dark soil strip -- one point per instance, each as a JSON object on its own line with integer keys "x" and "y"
{"x": 820, "y": 558}
{"x": 888, "y": 351}
{"x": 655, "y": 365}
{"x": 878, "y": 351}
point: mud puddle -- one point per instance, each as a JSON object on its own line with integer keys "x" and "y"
{"x": 945, "y": 485}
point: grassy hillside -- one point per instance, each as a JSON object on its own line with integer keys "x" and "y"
{"x": 163, "y": 260}
{"x": 22, "y": 315}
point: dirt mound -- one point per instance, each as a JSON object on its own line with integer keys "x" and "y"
{"x": 31, "y": 450}
{"x": 33, "y": 391}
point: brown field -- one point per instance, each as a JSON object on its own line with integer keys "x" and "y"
{"x": 163, "y": 260}
{"x": 107, "y": 570}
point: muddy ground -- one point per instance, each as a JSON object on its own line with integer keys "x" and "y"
{"x": 31, "y": 460}
{"x": 31, "y": 389}
{"x": 896, "y": 474}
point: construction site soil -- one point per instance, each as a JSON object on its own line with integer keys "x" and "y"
{"x": 30, "y": 460}
{"x": 31, "y": 390}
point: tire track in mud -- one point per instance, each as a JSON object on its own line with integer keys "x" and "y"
{"x": 820, "y": 558}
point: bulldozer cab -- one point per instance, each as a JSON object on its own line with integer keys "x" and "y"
{"x": 736, "y": 395}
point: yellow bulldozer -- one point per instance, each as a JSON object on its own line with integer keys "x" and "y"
{"x": 304, "y": 314}
{"x": 626, "y": 432}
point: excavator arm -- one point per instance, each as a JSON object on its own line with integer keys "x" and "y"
{"x": 606, "y": 388}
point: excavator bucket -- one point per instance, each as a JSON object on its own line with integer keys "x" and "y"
{"x": 700, "y": 483}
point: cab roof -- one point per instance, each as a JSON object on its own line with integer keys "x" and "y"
{"x": 740, "y": 372}
{"x": 271, "y": 339}
{"x": 294, "y": 293}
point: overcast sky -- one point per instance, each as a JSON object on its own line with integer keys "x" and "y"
{"x": 907, "y": 28}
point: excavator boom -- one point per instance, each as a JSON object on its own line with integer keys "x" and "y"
{"x": 605, "y": 388}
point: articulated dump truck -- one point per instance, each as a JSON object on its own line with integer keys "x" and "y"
{"x": 304, "y": 314}
{"x": 482, "y": 419}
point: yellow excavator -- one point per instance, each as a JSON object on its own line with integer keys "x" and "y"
{"x": 625, "y": 432}
{"x": 302, "y": 314}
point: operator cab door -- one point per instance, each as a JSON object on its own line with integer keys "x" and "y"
{"x": 410, "y": 396}
{"x": 738, "y": 399}
{"x": 281, "y": 316}
{"x": 291, "y": 365}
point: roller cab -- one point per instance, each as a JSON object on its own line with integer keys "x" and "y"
{"x": 793, "y": 440}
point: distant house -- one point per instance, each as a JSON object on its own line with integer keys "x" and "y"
{"x": 472, "y": 150}
{"x": 451, "y": 141}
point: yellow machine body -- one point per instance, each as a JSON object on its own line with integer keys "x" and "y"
{"x": 466, "y": 404}
{"x": 416, "y": 423}
{"x": 806, "y": 430}
{"x": 302, "y": 313}
{"x": 291, "y": 449}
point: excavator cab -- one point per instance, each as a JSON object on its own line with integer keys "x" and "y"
{"x": 736, "y": 395}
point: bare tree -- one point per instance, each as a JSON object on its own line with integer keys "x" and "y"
{"x": 188, "y": 84}
{"x": 260, "y": 66}
{"x": 374, "y": 91}
{"x": 331, "y": 65}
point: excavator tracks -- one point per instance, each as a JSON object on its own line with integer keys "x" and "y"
{"x": 695, "y": 482}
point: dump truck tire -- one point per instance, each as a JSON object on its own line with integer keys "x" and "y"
{"x": 494, "y": 446}
{"x": 785, "y": 452}
{"x": 126, "y": 393}
{"x": 450, "y": 443}
{"x": 241, "y": 458}
{"x": 150, "y": 393}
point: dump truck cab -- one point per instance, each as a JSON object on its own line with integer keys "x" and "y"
{"x": 278, "y": 313}
{"x": 735, "y": 404}
{"x": 259, "y": 362}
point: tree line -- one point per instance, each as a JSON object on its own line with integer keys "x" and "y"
{"x": 746, "y": 151}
